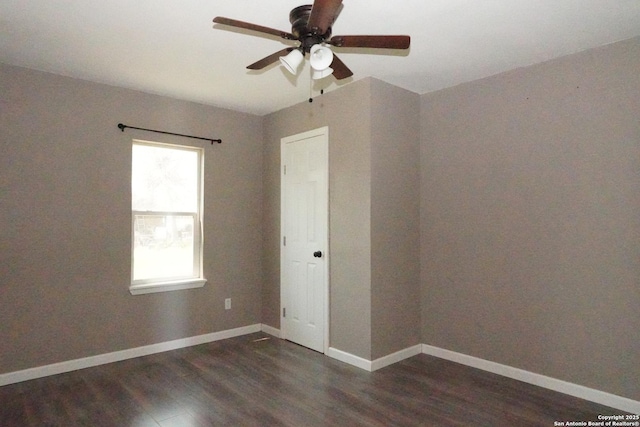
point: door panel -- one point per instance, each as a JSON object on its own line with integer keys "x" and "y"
{"x": 304, "y": 232}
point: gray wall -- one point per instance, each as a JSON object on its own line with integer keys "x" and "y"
{"x": 395, "y": 219}
{"x": 530, "y": 210}
{"x": 373, "y": 214}
{"x": 347, "y": 113}
{"x": 65, "y": 221}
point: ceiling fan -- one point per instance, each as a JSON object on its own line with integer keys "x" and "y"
{"x": 311, "y": 27}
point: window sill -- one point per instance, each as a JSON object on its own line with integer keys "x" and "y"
{"x": 178, "y": 285}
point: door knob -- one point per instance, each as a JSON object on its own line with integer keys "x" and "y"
{"x": 317, "y": 254}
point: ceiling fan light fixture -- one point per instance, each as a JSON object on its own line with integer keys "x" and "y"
{"x": 321, "y": 74}
{"x": 321, "y": 57}
{"x": 292, "y": 61}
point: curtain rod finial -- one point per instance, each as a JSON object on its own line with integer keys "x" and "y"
{"x": 121, "y": 126}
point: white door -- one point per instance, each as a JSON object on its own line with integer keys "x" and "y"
{"x": 304, "y": 223}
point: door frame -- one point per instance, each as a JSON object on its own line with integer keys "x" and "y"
{"x": 324, "y": 132}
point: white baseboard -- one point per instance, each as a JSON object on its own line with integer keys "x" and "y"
{"x": 396, "y": 357}
{"x": 349, "y": 358}
{"x": 117, "y": 356}
{"x": 379, "y": 363}
{"x": 271, "y": 330}
{"x": 597, "y": 396}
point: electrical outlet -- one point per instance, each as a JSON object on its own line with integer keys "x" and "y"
{"x": 227, "y": 304}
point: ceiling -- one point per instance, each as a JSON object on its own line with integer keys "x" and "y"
{"x": 172, "y": 48}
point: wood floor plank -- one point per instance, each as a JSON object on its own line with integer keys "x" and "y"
{"x": 271, "y": 382}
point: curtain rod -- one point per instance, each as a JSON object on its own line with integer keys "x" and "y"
{"x": 123, "y": 127}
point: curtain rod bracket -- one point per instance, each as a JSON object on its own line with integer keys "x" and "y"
{"x": 122, "y": 127}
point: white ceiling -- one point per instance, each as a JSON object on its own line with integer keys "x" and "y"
{"x": 171, "y": 47}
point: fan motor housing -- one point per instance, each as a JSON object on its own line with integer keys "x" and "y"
{"x": 299, "y": 18}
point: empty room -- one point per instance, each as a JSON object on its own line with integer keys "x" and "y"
{"x": 342, "y": 213}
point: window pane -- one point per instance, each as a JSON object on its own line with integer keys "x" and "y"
{"x": 163, "y": 246}
{"x": 164, "y": 179}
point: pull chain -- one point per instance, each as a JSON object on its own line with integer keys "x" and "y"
{"x": 311, "y": 90}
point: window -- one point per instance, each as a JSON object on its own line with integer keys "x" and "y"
{"x": 166, "y": 217}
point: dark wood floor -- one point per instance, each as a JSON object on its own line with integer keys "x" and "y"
{"x": 247, "y": 381}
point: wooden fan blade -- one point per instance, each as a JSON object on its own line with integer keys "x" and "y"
{"x": 340, "y": 71}
{"x": 264, "y": 62}
{"x": 323, "y": 13}
{"x": 253, "y": 27}
{"x": 377, "y": 42}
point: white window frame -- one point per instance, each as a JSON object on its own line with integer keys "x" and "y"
{"x": 196, "y": 280}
